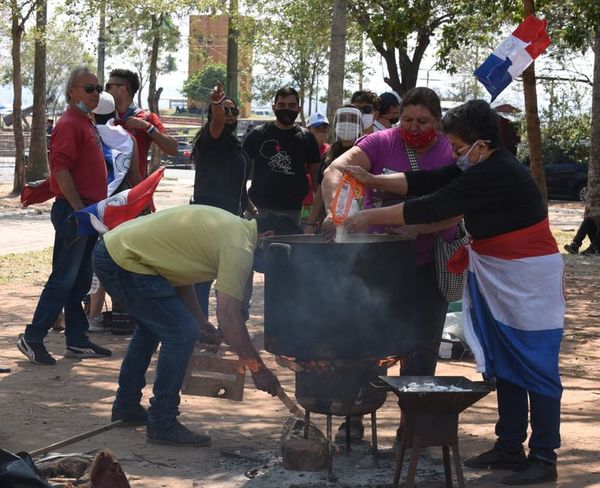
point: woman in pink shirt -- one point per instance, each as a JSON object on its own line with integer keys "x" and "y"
{"x": 390, "y": 151}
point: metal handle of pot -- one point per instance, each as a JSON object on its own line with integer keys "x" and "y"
{"x": 278, "y": 249}
{"x": 381, "y": 385}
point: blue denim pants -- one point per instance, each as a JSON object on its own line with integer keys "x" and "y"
{"x": 68, "y": 283}
{"x": 162, "y": 318}
{"x": 514, "y": 404}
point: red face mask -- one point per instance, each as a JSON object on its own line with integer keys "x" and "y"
{"x": 420, "y": 140}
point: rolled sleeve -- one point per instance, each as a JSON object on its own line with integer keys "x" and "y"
{"x": 235, "y": 265}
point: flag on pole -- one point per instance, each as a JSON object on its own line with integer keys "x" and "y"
{"x": 106, "y": 214}
{"x": 513, "y": 55}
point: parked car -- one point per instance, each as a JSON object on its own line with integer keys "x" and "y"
{"x": 183, "y": 158}
{"x": 565, "y": 180}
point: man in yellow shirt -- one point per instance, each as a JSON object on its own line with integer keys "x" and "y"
{"x": 150, "y": 265}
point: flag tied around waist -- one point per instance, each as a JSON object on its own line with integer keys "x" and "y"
{"x": 514, "y": 308}
{"x": 513, "y": 55}
{"x": 106, "y": 214}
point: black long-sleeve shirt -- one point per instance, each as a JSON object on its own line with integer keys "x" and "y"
{"x": 496, "y": 196}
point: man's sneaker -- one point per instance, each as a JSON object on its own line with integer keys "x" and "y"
{"x": 36, "y": 353}
{"x": 534, "y": 471}
{"x": 177, "y": 435}
{"x": 572, "y": 248}
{"x": 497, "y": 459}
{"x": 91, "y": 350}
{"x": 96, "y": 324}
{"x": 130, "y": 416}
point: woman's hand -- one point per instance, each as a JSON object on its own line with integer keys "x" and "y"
{"x": 361, "y": 175}
{"x": 217, "y": 94}
{"x": 410, "y": 231}
{"x": 360, "y": 221}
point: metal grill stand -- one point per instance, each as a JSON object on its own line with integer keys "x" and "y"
{"x": 374, "y": 447}
{"x": 432, "y": 418}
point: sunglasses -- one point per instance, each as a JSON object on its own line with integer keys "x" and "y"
{"x": 232, "y": 111}
{"x": 89, "y": 88}
{"x": 366, "y": 109}
{"x": 108, "y": 85}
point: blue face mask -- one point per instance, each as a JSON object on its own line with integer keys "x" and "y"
{"x": 83, "y": 107}
{"x": 463, "y": 161}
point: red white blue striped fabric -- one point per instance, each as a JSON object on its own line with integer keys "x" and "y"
{"x": 514, "y": 308}
{"x": 513, "y": 55}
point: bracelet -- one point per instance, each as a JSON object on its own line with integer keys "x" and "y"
{"x": 150, "y": 130}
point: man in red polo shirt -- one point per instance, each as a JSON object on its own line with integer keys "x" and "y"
{"x": 145, "y": 126}
{"x": 77, "y": 179}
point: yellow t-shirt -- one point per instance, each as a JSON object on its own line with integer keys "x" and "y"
{"x": 186, "y": 245}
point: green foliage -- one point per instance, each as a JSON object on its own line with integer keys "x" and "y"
{"x": 198, "y": 86}
{"x": 64, "y": 52}
{"x": 291, "y": 42}
{"x": 565, "y": 128}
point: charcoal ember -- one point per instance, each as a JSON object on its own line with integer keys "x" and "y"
{"x": 300, "y": 454}
{"x": 64, "y": 467}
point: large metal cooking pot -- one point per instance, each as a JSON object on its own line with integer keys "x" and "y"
{"x": 352, "y": 300}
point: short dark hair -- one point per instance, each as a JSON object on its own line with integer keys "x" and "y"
{"x": 364, "y": 96}
{"x": 286, "y": 91}
{"x": 132, "y": 79}
{"x": 386, "y": 101}
{"x": 422, "y": 95}
{"x": 280, "y": 224}
{"x": 473, "y": 121}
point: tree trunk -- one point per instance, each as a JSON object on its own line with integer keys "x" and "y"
{"x": 337, "y": 55}
{"x": 17, "y": 35}
{"x": 153, "y": 95}
{"x": 592, "y": 202}
{"x": 534, "y": 135}
{"x": 153, "y": 71}
{"x": 38, "y": 155}
{"x": 232, "y": 51}
{"x": 101, "y": 42}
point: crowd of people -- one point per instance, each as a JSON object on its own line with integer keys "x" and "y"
{"x": 425, "y": 171}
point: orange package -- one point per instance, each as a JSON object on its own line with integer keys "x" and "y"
{"x": 348, "y": 199}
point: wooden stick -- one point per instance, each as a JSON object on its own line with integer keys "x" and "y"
{"x": 77, "y": 438}
{"x": 289, "y": 403}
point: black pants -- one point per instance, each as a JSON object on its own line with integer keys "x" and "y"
{"x": 514, "y": 404}
{"x": 431, "y": 309}
{"x": 589, "y": 227}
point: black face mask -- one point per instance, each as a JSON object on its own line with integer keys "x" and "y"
{"x": 286, "y": 117}
{"x": 395, "y": 120}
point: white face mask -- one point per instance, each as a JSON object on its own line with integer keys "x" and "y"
{"x": 347, "y": 124}
{"x": 367, "y": 120}
{"x": 463, "y": 161}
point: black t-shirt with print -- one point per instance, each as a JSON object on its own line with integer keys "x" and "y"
{"x": 280, "y": 159}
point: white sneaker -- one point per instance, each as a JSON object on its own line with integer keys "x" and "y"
{"x": 96, "y": 324}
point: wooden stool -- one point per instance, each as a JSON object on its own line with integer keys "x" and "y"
{"x": 216, "y": 374}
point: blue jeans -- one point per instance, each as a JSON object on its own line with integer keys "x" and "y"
{"x": 511, "y": 427}
{"x": 202, "y": 294}
{"x": 162, "y": 318}
{"x": 68, "y": 283}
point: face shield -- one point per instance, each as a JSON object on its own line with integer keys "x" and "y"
{"x": 348, "y": 125}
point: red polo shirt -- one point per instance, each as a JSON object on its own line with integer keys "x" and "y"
{"x": 76, "y": 148}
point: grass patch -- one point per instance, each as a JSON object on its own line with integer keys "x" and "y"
{"x": 31, "y": 268}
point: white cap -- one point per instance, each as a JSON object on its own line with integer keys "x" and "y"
{"x": 316, "y": 120}
{"x": 106, "y": 105}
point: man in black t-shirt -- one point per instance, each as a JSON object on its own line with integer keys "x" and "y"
{"x": 281, "y": 152}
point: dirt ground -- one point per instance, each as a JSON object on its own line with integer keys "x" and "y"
{"x": 42, "y": 405}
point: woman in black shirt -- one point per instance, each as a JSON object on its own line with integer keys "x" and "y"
{"x": 513, "y": 301}
{"x": 222, "y": 167}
